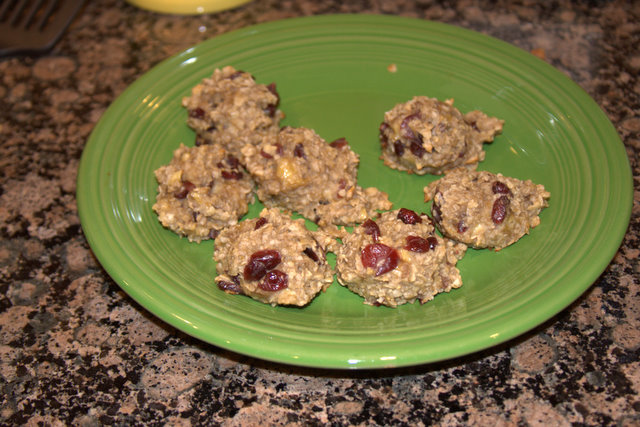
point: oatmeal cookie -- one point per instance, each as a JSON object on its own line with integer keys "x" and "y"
{"x": 230, "y": 108}
{"x": 299, "y": 171}
{"x": 398, "y": 258}
{"x": 485, "y": 210}
{"x": 202, "y": 190}
{"x": 425, "y": 135}
{"x": 273, "y": 259}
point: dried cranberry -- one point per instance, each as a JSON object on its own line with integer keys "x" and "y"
{"x": 398, "y": 148}
{"x": 260, "y": 222}
{"x": 420, "y": 245}
{"x": 269, "y": 257}
{"x": 408, "y": 216}
{"x": 232, "y": 174}
{"x": 417, "y": 244}
{"x": 197, "y": 113}
{"x": 384, "y": 139}
{"x": 436, "y": 211}
{"x": 275, "y": 280}
{"x": 500, "y": 188}
{"x": 417, "y": 149}
{"x": 186, "y": 187}
{"x": 231, "y": 287}
{"x": 339, "y": 143}
{"x": 415, "y": 139}
{"x": 380, "y": 257}
{"x": 213, "y": 233}
{"x": 462, "y": 227}
{"x": 200, "y": 141}
{"x": 265, "y": 154}
{"x": 405, "y": 129}
{"x": 236, "y": 74}
{"x": 254, "y": 270}
{"x": 271, "y": 87}
{"x": 271, "y": 110}
{"x": 371, "y": 229}
{"x": 260, "y": 263}
{"x": 298, "y": 151}
{"x": 311, "y": 254}
{"x": 499, "y": 211}
{"x": 232, "y": 161}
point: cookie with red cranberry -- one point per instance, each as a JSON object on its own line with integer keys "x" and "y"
{"x": 201, "y": 191}
{"x": 273, "y": 259}
{"x": 398, "y": 258}
{"x": 232, "y": 109}
{"x": 485, "y": 210}
{"x": 425, "y": 135}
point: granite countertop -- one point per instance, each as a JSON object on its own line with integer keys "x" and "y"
{"x": 76, "y": 350}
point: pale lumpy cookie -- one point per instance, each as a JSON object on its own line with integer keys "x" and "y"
{"x": 202, "y": 190}
{"x": 231, "y": 109}
{"x": 299, "y": 171}
{"x": 425, "y": 135}
{"x": 485, "y": 210}
{"x": 398, "y": 258}
{"x": 273, "y": 259}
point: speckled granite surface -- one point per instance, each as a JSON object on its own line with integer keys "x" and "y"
{"x": 75, "y": 350}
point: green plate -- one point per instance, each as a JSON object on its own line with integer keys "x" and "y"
{"x": 333, "y": 76}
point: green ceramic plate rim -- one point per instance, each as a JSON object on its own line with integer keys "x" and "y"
{"x": 98, "y": 205}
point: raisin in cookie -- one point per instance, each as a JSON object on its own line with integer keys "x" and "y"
{"x": 230, "y": 108}
{"x": 299, "y": 171}
{"x": 397, "y": 258}
{"x": 273, "y": 259}
{"x": 485, "y": 210}
{"x": 202, "y": 190}
{"x": 425, "y": 135}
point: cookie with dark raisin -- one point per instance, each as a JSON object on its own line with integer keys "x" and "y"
{"x": 202, "y": 190}
{"x": 485, "y": 210}
{"x": 428, "y": 136}
{"x": 273, "y": 259}
{"x": 398, "y": 258}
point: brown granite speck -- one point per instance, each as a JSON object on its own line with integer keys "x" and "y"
{"x": 52, "y": 68}
{"x": 175, "y": 371}
{"x": 76, "y": 350}
{"x": 535, "y": 354}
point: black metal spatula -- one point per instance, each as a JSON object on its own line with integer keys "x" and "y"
{"x": 34, "y": 26}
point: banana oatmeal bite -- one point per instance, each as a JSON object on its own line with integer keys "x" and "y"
{"x": 484, "y": 210}
{"x": 299, "y": 171}
{"x": 202, "y": 190}
{"x": 398, "y": 258}
{"x": 273, "y": 259}
{"x": 428, "y": 136}
{"x": 231, "y": 109}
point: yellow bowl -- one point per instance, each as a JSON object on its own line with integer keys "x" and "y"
{"x": 187, "y": 7}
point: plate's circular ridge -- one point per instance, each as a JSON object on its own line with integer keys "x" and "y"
{"x": 331, "y": 73}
